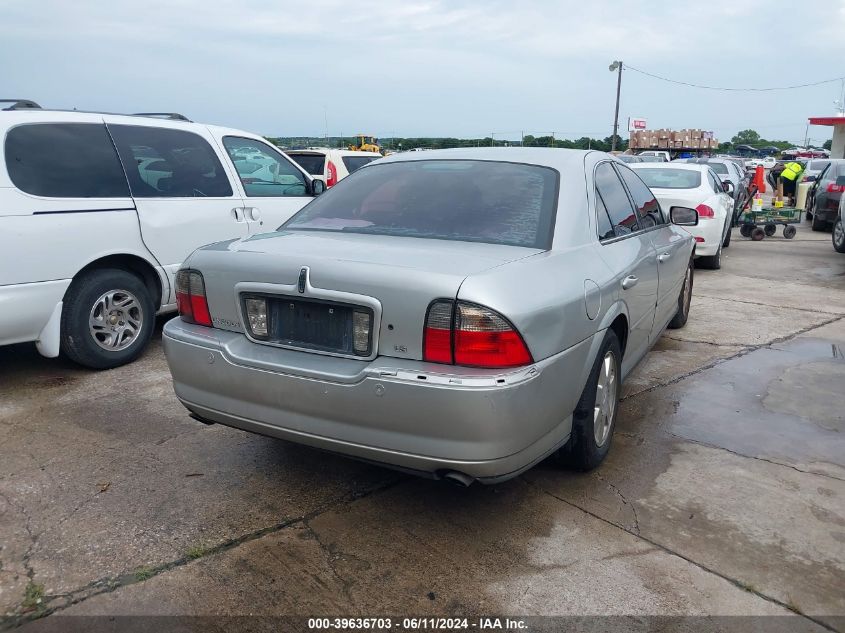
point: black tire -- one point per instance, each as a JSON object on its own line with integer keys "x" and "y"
{"x": 582, "y": 451}
{"x": 818, "y": 225}
{"x": 684, "y": 299}
{"x": 838, "y": 236}
{"x": 83, "y": 298}
{"x": 711, "y": 262}
{"x": 770, "y": 229}
{"x": 757, "y": 234}
{"x": 745, "y": 229}
{"x": 727, "y": 241}
{"x": 789, "y": 232}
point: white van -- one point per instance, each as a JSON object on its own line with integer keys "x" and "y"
{"x": 98, "y": 211}
{"x": 331, "y": 165}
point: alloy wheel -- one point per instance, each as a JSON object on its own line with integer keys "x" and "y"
{"x": 115, "y": 320}
{"x": 839, "y": 234}
{"x": 607, "y": 388}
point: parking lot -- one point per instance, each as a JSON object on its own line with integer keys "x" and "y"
{"x": 724, "y": 493}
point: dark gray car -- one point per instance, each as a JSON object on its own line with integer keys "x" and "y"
{"x": 461, "y": 314}
{"x": 823, "y": 199}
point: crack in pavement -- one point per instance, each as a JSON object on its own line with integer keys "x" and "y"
{"x": 770, "y": 305}
{"x": 110, "y": 584}
{"x": 331, "y": 557}
{"x": 758, "y": 458}
{"x": 672, "y": 552}
{"x": 624, "y": 500}
{"x": 746, "y": 349}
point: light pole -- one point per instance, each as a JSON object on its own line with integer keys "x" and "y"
{"x": 616, "y": 66}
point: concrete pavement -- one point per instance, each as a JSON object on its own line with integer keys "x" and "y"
{"x": 723, "y": 494}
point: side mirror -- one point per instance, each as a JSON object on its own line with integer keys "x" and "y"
{"x": 727, "y": 186}
{"x": 316, "y": 187}
{"x": 683, "y": 216}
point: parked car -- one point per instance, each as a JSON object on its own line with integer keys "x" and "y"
{"x": 767, "y": 162}
{"x": 695, "y": 185}
{"x": 814, "y": 168}
{"x": 629, "y": 158}
{"x": 331, "y": 165}
{"x": 97, "y": 212}
{"x": 838, "y": 236}
{"x": 823, "y": 198}
{"x": 658, "y": 155}
{"x": 461, "y": 314}
{"x": 727, "y": 170}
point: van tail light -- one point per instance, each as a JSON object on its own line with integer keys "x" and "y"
{"x": 331, "y": 175}
{"x": 471, "y": 335}
{"x": 834, "y": 188}
{"x": 705, "y": 211}
{"x": 190, "y": 298}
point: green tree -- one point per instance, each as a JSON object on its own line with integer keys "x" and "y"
{"x": 746, "y": 137}
{"x": 827, "y": 144}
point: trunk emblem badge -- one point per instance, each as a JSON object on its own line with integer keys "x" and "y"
{"x": 303, "y": 279}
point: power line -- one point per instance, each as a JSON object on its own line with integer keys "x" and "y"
{"x": 692, "y": 85}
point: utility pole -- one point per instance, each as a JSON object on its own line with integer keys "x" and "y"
{"x": 617, "y": 65}
{"x": 492, "y": 134}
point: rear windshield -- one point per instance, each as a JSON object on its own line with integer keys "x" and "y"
{"x": 312, "y": 163}
{"x": 719, "y": 168}
{"x": 356, "y": 162}
{"x": 669, "y": 178}
{"x": 462, "y": 200}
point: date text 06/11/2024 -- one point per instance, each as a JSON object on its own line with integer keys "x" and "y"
{"x": 417, "y": 624}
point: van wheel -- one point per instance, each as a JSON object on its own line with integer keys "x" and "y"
{"x": 594, "y": 418}
{"x": 107, "y": 318}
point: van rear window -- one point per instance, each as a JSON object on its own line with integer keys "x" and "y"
{"x": 314, "y": 164}
{"x": 64, "y": 160}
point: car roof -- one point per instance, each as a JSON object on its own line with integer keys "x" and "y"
{"x": 560, "y": 159}
{"x": 701, "y": 167}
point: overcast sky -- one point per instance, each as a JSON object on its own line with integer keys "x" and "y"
{"x": 430, "y": 68}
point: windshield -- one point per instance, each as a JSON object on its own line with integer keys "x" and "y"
{"x": 462, "y": 200}
{"x": 670, "y": 178}
{"x": 818, "y": 165}
{"x": 312, "y": 163}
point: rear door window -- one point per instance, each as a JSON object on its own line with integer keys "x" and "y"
{"x": 64, "y": 160}
{"x": 169, "y": 163}
{"x": 264, "y": 171}
{"x": 615, "y": 201}
{"x": 648, "y": 209}
{"x": 356, "y": 162}
{"x": 314, "y": 164}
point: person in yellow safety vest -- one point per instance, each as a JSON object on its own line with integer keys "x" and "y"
{"x": 790, "y": 176}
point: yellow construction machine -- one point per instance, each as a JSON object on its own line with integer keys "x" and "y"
{"x": 365, "y": 143}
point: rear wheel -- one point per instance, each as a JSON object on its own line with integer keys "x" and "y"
{"x": 770, "y": 229}
{"x": 818, "y": 225}
{"x": 594, "y": 418}
{"x": 727, "y": 241}
{"x": 757, "y": 233}
{"x": 839, "y": 235}
{"x": 789, "y": 232}
{"x": 684, "y": 299}
{"x": 107, "y": 318}
{"x": 745, "y": 230}
{"x": 712, "y": 262}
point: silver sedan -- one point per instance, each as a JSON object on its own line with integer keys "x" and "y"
{"x": 461, "y": 314}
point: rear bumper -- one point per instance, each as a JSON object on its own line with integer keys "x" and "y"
{"x": 405, "y": 414}
{"x": 711, "y": 231}
{"x": 25, "y": 309}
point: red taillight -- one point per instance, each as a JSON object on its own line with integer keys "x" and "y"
{"x": 834, "y": 188}
{"x": 699, "y": 238}
{"x": 331, "y": 175}
{"x": 190, "y": 298}
{"x": 475, "y": 336}
{"x": 705, "y": 211}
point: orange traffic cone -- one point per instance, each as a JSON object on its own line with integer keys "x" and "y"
{"x": 760, "y": 179}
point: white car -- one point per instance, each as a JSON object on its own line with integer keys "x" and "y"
{"x": 98, "y": 211}
{"x": 695, "y": 186}
{"x": 331, "y": 165}
{"x": 659, "y": 155}
{"x": 768, "y": 162}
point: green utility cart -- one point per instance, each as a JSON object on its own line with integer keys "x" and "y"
{"x": 763, "y": 223}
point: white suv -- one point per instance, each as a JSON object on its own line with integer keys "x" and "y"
{"x": 331, "y": 165}
{"x": 98, "y": 211}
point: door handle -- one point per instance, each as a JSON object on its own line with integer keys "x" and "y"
{"x": 237, "y": 213}
{"x": 629, "y": 282}
{"x": 663, "y": 257}
{"x": 252, "y": 213}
